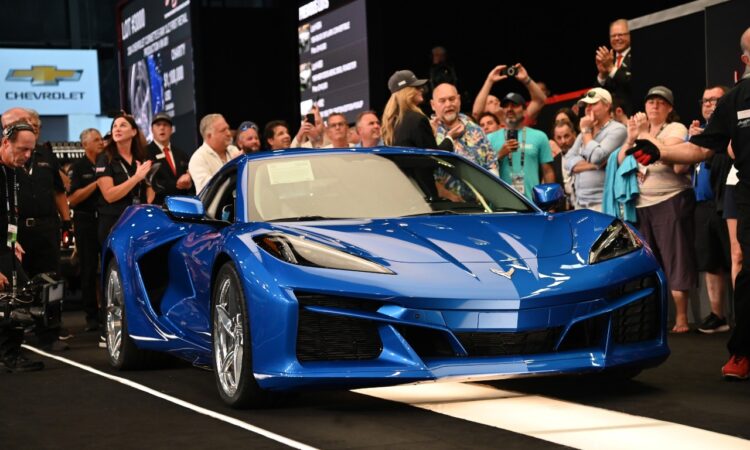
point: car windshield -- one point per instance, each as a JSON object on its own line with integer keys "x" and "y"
{"x": 367, "y": 185}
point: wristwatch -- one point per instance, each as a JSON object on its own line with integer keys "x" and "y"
{"x": 587, "y": 130}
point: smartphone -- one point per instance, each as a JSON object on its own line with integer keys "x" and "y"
{"x": 512, "y": 134}
{"x": 310, "y": 117}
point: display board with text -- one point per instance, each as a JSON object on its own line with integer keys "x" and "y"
{"x": 157, "y": 55}
{"x": 333, "y": 69}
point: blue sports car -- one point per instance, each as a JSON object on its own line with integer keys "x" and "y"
{"x": 372, "y": 267}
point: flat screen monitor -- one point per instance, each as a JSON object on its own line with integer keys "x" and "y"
{"x": 333, "y": 65}
{"x": 156, "y": 54}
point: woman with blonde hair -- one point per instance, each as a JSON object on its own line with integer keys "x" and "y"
{"x": 404, "y": 124}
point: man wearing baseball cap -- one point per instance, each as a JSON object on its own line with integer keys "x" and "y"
{"x": 520, "y": 150}
{"x": 170, "y": 177}
{"x": 600, "y": 136}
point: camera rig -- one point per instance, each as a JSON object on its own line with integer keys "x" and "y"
{"x": 38, "y": 303}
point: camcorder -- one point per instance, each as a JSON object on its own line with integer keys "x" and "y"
{"x": 511, "y": 71}
{"x": 38, "y": 304}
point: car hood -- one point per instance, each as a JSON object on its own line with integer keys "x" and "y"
{"x": 460, "y": 238}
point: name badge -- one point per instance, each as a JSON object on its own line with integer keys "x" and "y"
{"x": 161, "y": 156}
{"x": 12, "y": 234}
{"x": 744, "y": 114}
{"x": 518, "y": 184}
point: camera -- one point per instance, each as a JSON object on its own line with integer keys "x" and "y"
{"x": 39, "y": 303}
{"x": 511, "y": 71}
{"x": 310, "y": 118}
{"x": 512, "y": 134}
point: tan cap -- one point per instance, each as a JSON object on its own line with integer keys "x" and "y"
{"x": 596, "y": 95}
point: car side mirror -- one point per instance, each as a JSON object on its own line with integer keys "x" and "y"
{"x": 185, "y": 207}
{"x": 547, "y": 196}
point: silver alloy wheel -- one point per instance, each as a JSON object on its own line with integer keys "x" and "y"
{"x": 228, "y": 337}
{"x": 114, "y": 298}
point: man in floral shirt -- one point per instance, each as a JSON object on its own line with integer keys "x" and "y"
{"x": 473, "y": 143}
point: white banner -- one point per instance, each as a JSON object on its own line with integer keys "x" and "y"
{"x": 53, "y": 82}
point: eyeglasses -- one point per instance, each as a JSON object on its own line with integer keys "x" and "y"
{"x": 618, "y": 35}
{"x": 247, "y": 125}
{"x": 706, "y": 101}
{"x": 336, "y": 125}
{"x": 10, "y": 131}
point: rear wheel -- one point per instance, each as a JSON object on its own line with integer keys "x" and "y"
{"x": 232, "y": 361}
{"x": 122, "y": 352}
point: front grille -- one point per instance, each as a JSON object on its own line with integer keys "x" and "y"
{"x": 637, "y": 321}
{"x": 426, "y": 342}
{"x": 335, "y": 301}
{"x": 633, "y": 286}
{"x": 325, "y": 337}
{"x": 505, "y": 344}
{"x": 585, "y": 334}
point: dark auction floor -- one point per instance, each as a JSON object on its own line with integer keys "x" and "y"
{"x": 79, "y": 402}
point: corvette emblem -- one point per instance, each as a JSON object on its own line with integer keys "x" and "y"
{"x": 500, "y": 272}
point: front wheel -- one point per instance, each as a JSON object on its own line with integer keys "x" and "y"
{"x": 232, "y": 361}
{"x": 122, "y": 352}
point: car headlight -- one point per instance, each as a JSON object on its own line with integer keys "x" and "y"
{"x": 300, "y": 251}
{"x": 616, "y": 240}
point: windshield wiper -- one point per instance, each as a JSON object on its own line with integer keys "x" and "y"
{"x": 509, "y": 210}
{"x": 307, "y": 218}
{"x": 442, "y": 212}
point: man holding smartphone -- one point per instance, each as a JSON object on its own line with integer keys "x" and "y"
{"x": 521, "y": 151}
{"x": 310, "y": 134}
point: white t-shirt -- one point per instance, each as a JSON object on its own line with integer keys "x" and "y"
{"x": 660, "y": 183}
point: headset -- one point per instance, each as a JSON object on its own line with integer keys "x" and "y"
{"x": 12, "y": 130}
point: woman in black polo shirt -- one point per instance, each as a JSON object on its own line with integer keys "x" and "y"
{"x": 120, "y": 173}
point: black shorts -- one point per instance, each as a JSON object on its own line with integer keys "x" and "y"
{"x": 730, "y": 207}
{"x": 711, "y": 239}
{"x": 669, "y": 230}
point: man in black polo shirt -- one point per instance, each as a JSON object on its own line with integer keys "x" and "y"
{"x": 729, "y": 122}
{"x": 84, "y": 198}
{"x": 41, "y": 198}
{"x": 17, "y": 143}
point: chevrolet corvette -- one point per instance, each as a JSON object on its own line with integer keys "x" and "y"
{"x": 343, "y": 268}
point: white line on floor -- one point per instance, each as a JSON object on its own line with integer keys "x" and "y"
{"x": 557, "y": 421}
{"x": 200, "y": 410}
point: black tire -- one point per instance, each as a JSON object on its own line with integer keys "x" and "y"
{"x": 121, "y": 350}
{"x": 233, "y": 374}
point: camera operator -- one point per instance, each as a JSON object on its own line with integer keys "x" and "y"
{"x": 17, "y": 144}
{"x": 41, "y": 198}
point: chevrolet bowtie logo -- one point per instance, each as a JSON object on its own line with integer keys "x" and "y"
{"x": 500, "y": 272}
{"x": 44, "y": 75}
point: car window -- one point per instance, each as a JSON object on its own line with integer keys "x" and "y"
{"x": 219, "y": 199}
{"x": 365, "y": 185}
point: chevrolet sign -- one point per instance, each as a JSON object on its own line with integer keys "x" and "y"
{"x": 44, "y": 75}
{"x": 53, "y": 82}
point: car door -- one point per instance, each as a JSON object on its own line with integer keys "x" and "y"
{"x": 198, "y": 249}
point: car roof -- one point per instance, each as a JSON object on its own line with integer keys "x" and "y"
{"x": 375, "y": 150}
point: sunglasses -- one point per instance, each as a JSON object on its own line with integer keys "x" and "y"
{"x": 247, "y": 125}
{"x": 12, "y": 130}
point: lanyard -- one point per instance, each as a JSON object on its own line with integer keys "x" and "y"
{"x": 127, "y": 174}
{"x": 12, "y": 213}
{"x": 522, "y": 146}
